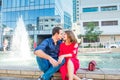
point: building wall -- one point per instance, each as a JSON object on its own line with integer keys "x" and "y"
{"x": 105, "y": 14}
{"x": 48, "y": 22}
{"x": 0, "y": 36}
{"x": 110, "y": 38}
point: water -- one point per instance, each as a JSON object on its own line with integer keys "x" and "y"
{"x": 20, "y": 53}
{"x": 20, "y": 42}
{"x": 104, "y": 60}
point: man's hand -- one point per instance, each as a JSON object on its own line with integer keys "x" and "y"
{"x": 53, "y": 62}
{"x": 60, "y": 59}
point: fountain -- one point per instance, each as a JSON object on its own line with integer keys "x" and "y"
{"x": 20, "y": 42}
{"x": 20, "y": 54}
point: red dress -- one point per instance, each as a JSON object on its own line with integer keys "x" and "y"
{"x": 69, "y": 49}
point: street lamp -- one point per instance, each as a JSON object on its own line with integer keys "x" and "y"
{"x": 35, "y": 37}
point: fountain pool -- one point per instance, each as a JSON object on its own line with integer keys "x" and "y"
{"x": 106, "y": 60}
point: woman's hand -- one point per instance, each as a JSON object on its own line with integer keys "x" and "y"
{"x": 53, "y": 62}
{"x": 60, "y": 59}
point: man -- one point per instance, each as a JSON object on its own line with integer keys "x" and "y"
{"x": 47, "y": 54}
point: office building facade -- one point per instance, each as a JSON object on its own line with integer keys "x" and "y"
{"x": 29, "y": 9}
{"x": 105, "y": 14}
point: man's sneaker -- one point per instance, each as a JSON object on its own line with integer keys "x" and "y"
{"x": 40, "y": 78}
{"x": 86, "y": 79}
{"x": 51, "y": 78}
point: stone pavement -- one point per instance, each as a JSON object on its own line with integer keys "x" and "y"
{"x": 12, "y": 78}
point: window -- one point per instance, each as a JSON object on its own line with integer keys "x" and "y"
{"x": 41, "y": 20}
{"x": 52, "y": 19}
{"x": 86, "y": 23}
{"x": 47, "y": 2}
{"x": 37, "y": 2}
{"x": 46, "y": 20}
{"x": 4, "y": 3}
{"x": 109, "y": 23}
{"x": 108, "y": 8}
{"x": 27, "y": 3}
{"x": 13, "y": 3}
{"x": 17, "y": 3}
{"x": 32, "y": 2}
{"x": 42, "y": 2}
{"x": 90, "y": 9}
{"x": 9, "y": 3}
{"x": 52, "y": 1}
{"x": 46, "y": 25}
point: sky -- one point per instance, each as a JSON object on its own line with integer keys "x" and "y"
{"x": 67, "y": 6}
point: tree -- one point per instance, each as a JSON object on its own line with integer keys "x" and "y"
{"x": 92, "y": 32}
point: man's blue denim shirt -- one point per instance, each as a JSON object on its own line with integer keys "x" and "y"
{"x": 49, "y": 47}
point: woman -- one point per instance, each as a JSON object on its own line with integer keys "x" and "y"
{"x": 68, "y": 51}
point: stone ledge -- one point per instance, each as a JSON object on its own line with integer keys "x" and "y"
{"x": 101, "y": 74}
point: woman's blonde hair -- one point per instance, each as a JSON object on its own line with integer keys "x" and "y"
{"x": 71, "y": 36}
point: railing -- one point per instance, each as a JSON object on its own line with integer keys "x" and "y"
{"x": 101, "y": 44}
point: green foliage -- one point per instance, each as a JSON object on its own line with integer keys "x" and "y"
{"x": 92, "y": 32}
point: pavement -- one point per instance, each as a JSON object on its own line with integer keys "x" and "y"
{"x": 12, "y": 78}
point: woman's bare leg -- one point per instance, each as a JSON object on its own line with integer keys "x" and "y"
{"x": 70, "y": 69}
{"x": 75, "y": 77}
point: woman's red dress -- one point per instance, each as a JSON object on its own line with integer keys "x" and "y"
{"x": 69, "y": 49}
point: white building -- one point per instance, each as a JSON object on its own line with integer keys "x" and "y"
{"x": 104, "y": 13}
{"x": 46, "y": 23}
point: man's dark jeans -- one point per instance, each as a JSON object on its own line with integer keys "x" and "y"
{"x": 47, "y": 68}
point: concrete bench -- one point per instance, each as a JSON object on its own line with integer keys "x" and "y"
{"x": 22, "y": 72}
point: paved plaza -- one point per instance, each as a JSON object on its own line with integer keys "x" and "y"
{"x": 12, "y": 78}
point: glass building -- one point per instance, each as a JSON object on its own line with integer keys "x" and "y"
{"x": 67, "y": 20}
{"x": 32, "y": 12}
{"x": 29, "y": 9}
{"x": 0, "y": 27}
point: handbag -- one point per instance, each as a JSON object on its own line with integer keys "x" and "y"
{"x": 92, "y": 65}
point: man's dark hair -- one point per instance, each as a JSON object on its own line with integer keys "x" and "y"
{"x": 56, "y": 30}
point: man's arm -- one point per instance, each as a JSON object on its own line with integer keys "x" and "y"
{"x": 41, "y": 54}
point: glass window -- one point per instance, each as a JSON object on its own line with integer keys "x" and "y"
{"x": 22, "y": 2}
{"x": 42, "y": 2}
{"x": 31, "y": 14}
{"x": 26, "y": 2}
{"x": 109, "y": 23}
{"x": 9, "y": 3}
{"x": 87, "y": 23}
{"x": 41, "y": 12}
{"x": 49, "y": 12}
{"x": 90, "y": 9}
{"x": 17, "y": 3}
{"x": 52, "y": 1}
{"x": 12, "y": 24}
{"x": 37, "y": 2}
{"x": 4, "y": 3}
{"x": 47, "y": 1}
{"x": 32, "y": 2}
{"x": 4, "y": 16}
{"x": 13, "y": 16}
{"x": 26, "y": 15}
{"x": 108, "y": 8}
{"x": 13, "y": 3}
